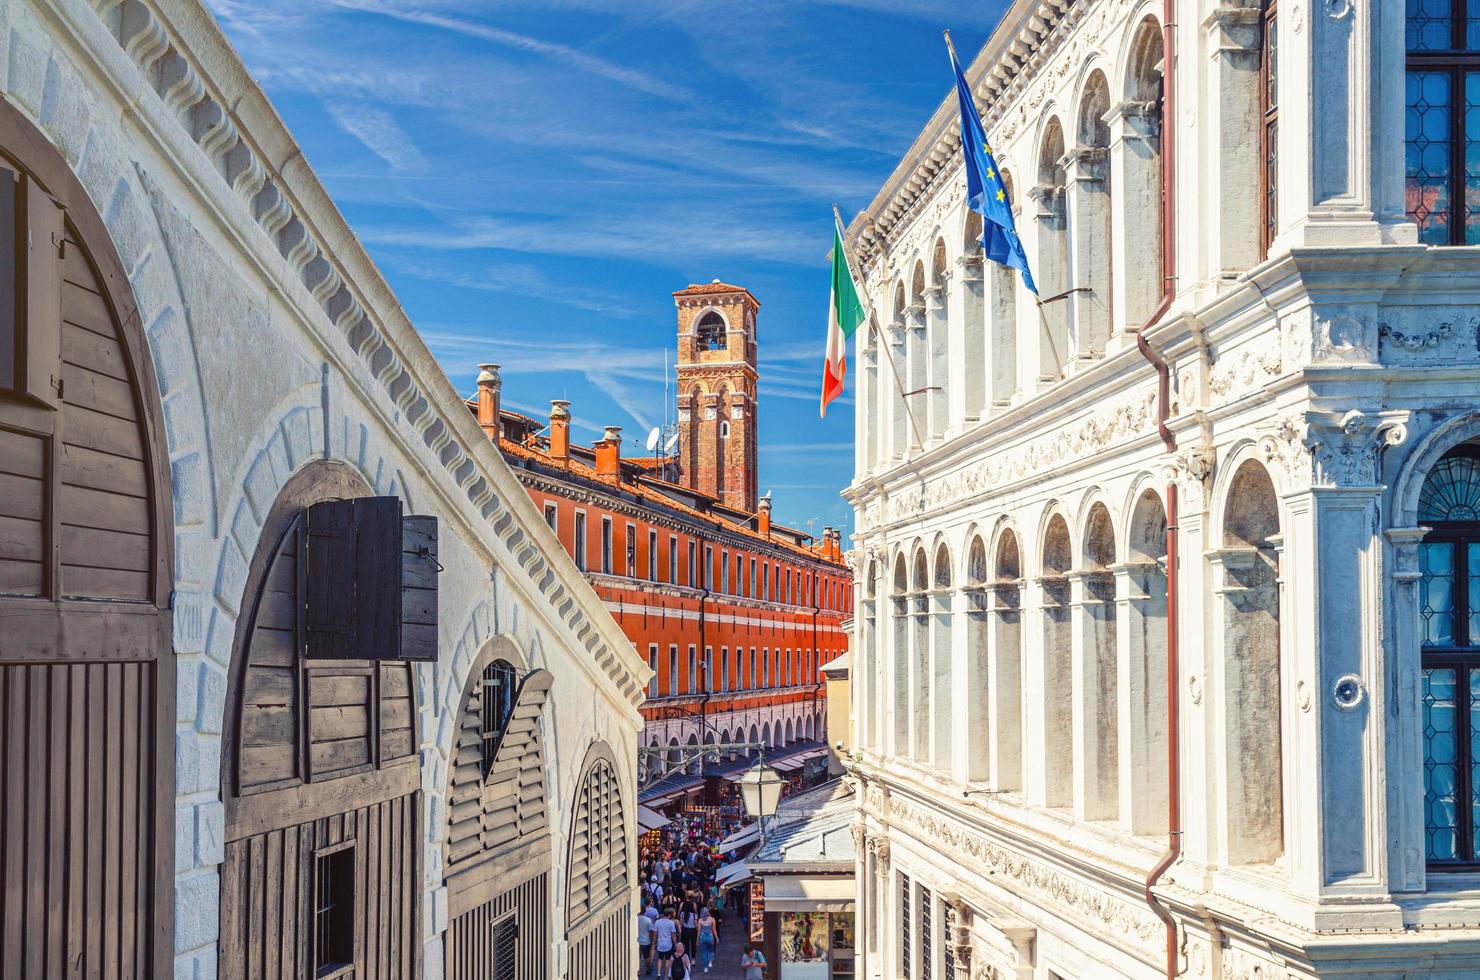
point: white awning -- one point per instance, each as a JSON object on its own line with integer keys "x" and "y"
{"x": 787, "y": 765}
{"x": 649, "y": 819}
{"x": 741, "y": 837}
{"x": 803, "y": 893}
{"x": 731, "y": 874}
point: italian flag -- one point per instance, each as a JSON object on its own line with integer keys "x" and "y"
{"x": 844, "y": 314}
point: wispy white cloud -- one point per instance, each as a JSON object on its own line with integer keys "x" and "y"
{"x": 379, "y": 132}
{"x": 520, "y": 278}
{"x": 565, "y": 54}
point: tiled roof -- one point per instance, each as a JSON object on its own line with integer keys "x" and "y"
{"x": 709, "y": 288}
{"x": 651, "y": 496}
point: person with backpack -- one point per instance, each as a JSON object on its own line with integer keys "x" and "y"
{"x": 753, "y": 963}
{"x": 681, "y": 964}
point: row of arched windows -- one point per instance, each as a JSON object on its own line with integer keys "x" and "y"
{"x": 1061, "y": 696}
{"x": 780, "y": 735}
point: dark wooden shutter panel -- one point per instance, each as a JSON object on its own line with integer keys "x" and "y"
{"x": 378, "y": 576}
{"x": 329, "y": 581}
{"x": 355, "y": 584}
{"x": 419, "y": 588}
{"x": 43, "y": 302}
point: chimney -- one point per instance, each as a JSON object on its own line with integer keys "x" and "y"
{"x": 827, "y": 542}
{"x": 560, "y": 429}
{"x": 609, "y": 453}
{"x": 489, "y": 384}
{"x": 763, "y": 516}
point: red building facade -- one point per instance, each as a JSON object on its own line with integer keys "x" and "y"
{"x": 735, "y": 614}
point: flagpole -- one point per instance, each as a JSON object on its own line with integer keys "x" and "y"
{"x": 874, "y": 332}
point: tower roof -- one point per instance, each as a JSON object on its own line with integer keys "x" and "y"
{"x": 711, "y": 288}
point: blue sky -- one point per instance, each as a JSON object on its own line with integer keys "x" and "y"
{"x": 536, "y": 178}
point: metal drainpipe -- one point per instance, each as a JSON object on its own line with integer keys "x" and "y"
{"x": 1163, "y": 411}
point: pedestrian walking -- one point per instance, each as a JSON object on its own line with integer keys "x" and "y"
{"x": 665, "y": 934}
{"x": 681, "y": 963}
{"x": 708, "y": 939}
{"x": 644, "y": 942}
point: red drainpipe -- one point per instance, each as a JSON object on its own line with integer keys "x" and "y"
{"x": 1163, "y": 411}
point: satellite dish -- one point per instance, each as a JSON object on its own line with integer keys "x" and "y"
{"x": 653, "y": 437}
{"x": 671, "y": 444}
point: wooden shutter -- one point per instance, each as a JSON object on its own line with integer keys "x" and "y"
{"x": 419, "y": 588}
{"x": 353, "y": 579}
{"x": 43, "y": 296}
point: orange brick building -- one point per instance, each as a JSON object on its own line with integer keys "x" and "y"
{"x": 735, "y": 614}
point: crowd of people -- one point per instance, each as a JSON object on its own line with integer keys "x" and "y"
{"x": 680, "y": 926}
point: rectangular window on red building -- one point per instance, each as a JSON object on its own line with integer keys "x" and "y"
{"x": 693, "y": 565}
{"x": 766, "y": 667}
{"x": 724, "y": 572}
{"x": 631, "y": 550}
{"x": 672, "y": 668}
{"x": 724, "y": 668}
{"x": 709, "y": 569}
{"x": 693, "y": 669}
{"x": 653, "y": 663}
{"x": 552, "y": 517}
{"x": 739, "y": 575}
{"x": 673, "y": 558}
{"x": 753, "y": 670}
{"x": 606, "y": 546}
{"x": 579, "y": 550}
{"x": 765, "y": 581}
{"x": 652, "y": 556}
{"x": 753, "y": 593}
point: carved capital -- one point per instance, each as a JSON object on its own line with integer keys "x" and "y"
{"x": 1346, "y": 452}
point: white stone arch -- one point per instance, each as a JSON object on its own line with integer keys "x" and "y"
{"x": 1140, "y": 486}
{"x": 1005, "y": 527}
{"x": 1242, "y": 451}
{"x": 708, "y": 309}
{"x": 1087, "y": 500}
{"x": 1420, "y": 460}
{"x": 1052, "y": 509}
{"x": 1119, "y": 70}
{"x": 1093, "y": 59}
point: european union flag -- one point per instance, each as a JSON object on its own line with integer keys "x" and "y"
{"x": 984, "y": 191}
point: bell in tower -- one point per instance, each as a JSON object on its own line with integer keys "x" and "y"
{"x": 716, "y": 391}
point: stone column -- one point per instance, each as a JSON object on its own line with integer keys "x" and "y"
{"x": 974, "y": 701}
{"x": 916, "y": 376}
{"x": 936, "y": 399}
{"x": 1096, "y": 734}
{"x": 1005, "y": 676}
{"x": 1051, "y": 273}
{"x": 969, "y": 368}
{"x": 900, "y": 433}
{"x": 1141, "y": 600}
{"x": 1088, "y": 193}
{"x": 1232, "y": 238}
{"x": 942, "y": 679}
{"x": 1135, "y": 173}
{"x": 1407, "y": 868}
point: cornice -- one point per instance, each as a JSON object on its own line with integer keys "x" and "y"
{"x": 253, "y": 167}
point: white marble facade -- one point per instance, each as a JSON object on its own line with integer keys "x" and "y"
{"x": 1010, "y": 693}
{"x": 276, "y": 343}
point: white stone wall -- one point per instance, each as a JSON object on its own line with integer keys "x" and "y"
{"x": 276, "y": 342}
{"x": 1309, "y": 393}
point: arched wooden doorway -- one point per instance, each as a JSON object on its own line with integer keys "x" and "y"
{"x": 322, "y": 869}
{"x": 86, "y": 672}
{"x": 599, "y": 890}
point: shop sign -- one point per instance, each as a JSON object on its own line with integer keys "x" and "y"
{"x": 757, "y": 912}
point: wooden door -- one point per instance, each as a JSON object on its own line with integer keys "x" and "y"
{"x": 86, "y": 678}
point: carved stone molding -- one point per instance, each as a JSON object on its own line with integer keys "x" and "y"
{"x": 1409, "y": 337}
{"x": 1034, "y": 880}
{"x": 1343, "y": 338}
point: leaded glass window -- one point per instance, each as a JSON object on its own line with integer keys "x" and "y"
{"x": 1449, "y": 631}
{"x": 1442, "y": 120}
{"x": 1270, "y": 108}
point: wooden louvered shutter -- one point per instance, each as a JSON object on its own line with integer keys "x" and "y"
{"x": 45, "y": 233}
{"x": 419, "y": 588}
{"x": 353, "y": 579}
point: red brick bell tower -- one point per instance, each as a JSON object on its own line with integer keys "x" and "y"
{"x": 716, "y": 391}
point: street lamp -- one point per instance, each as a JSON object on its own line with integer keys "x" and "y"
{"x": 760, "y": 790}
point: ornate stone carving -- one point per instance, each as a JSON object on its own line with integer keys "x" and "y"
{"x": 1094, "y": 907}
{"x": 1345, "y": 452}
{"x": 1249, "y": 368}
{"x": 1421, "y": 342}
{"x": 1343, "y": 338}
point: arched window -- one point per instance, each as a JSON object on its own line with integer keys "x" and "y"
{"x": 973, "y": 315}
{"x": 1005, "y": 667}
{"x": 1247, "y": 584}
{"x": 889, "y": 392}
{"x": 1099, "y": 716}
{"x": 1145, "y": 726}
{"x": 1058, "y": 701}
{"x": 920, "y": 646}
{"x": 1441, "y": 196}
{"x": 1144, "y": 281}
{"x": 899, "y": 613}
{"x": 1449, "y": 620}
{"x": 712, "y": 332}
{"x": 941, "y": 681}
{"x": 598, "y": 898}
{"x": 1091, "y": 201}
{"x": 1052, "y": 273}
{"x": 937, "y": 341}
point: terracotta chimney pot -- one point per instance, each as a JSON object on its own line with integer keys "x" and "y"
{"x": 763, "y": 516}
{"x": 489, "y": 387}
{"x": 560, "y": 429}
{"x": 609, "y": 453}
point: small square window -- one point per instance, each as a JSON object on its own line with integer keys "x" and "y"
{"x": 334, "y": 912}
